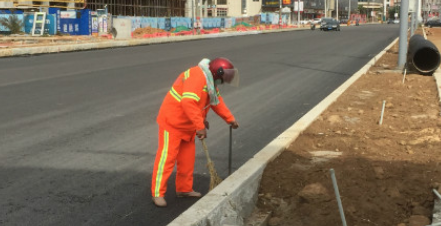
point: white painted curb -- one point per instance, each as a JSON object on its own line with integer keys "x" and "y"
{"x": 235, "y": 198}
{"x": 437, "y": 77}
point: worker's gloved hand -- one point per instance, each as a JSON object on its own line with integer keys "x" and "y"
{"x": 207, "y": 124}
{"x": 234, "y": 124}
{"x": 201, "y": 134}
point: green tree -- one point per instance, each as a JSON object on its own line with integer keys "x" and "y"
{"x": 392, "y": 11}
{"x": 362, "y": 10}
{"x": 13, "y": 23}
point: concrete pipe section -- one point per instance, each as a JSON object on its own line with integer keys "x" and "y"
{"x": 422, "y": 55}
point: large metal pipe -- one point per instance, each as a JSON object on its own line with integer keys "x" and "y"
{"x": 422, "y": 55}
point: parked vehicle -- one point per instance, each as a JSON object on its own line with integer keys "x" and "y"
{"x": 329, "y": 24}
{"x": 393, "y": 21}
{"x": 315, "y": 21}
{"x": 433, "y": 23}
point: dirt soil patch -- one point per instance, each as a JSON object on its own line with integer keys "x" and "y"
{"x": 139, "y": 32}
{"x": 385, "y": 173}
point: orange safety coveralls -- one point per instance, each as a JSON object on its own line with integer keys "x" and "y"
{"x": 182, "y": 113}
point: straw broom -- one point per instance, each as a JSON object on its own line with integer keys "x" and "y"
{"x": 214, "y": 178}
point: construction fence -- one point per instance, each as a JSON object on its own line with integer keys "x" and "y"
{"x": 204, "y": 23}
{"x": 87, "y": 22}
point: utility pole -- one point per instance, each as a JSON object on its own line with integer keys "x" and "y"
{"x": 384, "y": 10}
{"x": 419, "y": 18}
{"x": 280, "y": 14}
{"x": 404, "y": 9}
{"x": 193, "y": 15}
{"x": 298, "y": 13}
{"x": 337, "y": 9}
{"x": 349, "y": 11}
{"x": 326, "y": 10}
{"x": 413, "y": 20}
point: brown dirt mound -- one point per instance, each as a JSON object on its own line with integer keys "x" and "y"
{"x": 146, "y": 30}
{"x": 385, "y": 173}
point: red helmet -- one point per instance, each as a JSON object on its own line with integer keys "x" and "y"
{"x": 223, "y": 69}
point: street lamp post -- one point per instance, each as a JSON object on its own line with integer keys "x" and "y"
{"x": 298, "y": 13}
{"x": 404, "y": 9}
{"x": 280, "y": 14}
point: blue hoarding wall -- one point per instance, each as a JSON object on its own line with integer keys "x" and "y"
{"x": 180, "y": 22}
{"x": 208, "y": 23}
{"x": 85, "y": 22}
{"x": 161, "y": 24}
{"x": 229, "y": 22}
{"x": 50, "y": 26}
{"x": 70, "y": 26}
{"x": 7, "y": 11}
{"x": 56, "y": 12}
{"x": 141, "y": 22}
{"x": 20, "y": 17}
{"x": 80, "y": 25}
{"x": 173, "y": 22}
{"x": 273, "y": 18}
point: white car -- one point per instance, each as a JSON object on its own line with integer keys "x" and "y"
{"x": 316, "y": 21}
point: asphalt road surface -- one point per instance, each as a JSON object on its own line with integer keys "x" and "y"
{"x": 78, "y": 134}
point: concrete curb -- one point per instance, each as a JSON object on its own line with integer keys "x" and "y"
{"x": 436, "y": 213}
{"x": 437, "y": 77}
{"x": 234, "y": 199}
{"x": 125, "y": 43}
{"x": 436, "y": 218}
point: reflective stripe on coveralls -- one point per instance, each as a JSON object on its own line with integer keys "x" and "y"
{"x": 173, "y": 150}
{"x": 161, "y": 163}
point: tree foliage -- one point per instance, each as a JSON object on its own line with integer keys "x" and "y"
{"x": 362, "y": 10}
{"x": 393, "y": 10}
{"x": 13, "y": 23}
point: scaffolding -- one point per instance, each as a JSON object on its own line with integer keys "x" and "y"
{"x": 148, "y": 8}
{"x": 67, "y": 4}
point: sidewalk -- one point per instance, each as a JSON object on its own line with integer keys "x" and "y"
{"x": 25, "y": 45}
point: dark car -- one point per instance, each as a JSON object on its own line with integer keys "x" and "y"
{"x": 393, "y": 21}
{"x": 329, "y": 24}
{"x": 433, "y": 23}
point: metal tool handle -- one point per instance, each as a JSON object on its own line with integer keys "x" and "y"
{"x": 230, "y": 151}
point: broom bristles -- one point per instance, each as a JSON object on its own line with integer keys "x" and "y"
{"x": 215, "y": 180}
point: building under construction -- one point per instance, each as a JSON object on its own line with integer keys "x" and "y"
{"x": 148, "y": 8}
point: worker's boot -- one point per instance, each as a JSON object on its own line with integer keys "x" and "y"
{"x": 159, "y": 201}
{"x": 193, "y": 194}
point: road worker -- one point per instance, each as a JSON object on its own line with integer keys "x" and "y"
{"x": 182, "y": 117}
